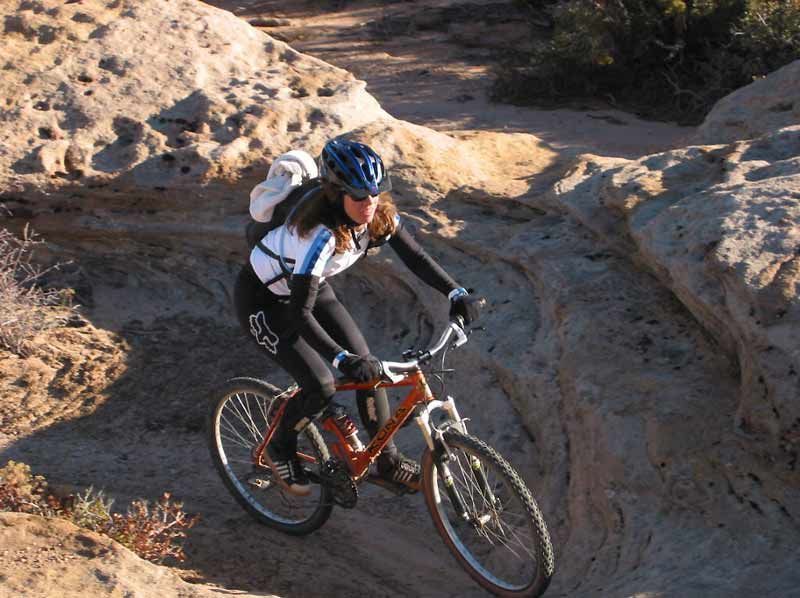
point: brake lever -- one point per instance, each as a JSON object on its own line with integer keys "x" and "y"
{"x": 412, "y": 353}
{"x": 461, "y": 335}
{"x": 391, "y": 377}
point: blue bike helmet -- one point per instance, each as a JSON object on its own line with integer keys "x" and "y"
{"x": 354, "y": 167}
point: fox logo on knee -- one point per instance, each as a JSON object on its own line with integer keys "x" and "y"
{"x": 262, "y": 332}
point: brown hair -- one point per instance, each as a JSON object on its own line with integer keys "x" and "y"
{"x": 313, "y": 211}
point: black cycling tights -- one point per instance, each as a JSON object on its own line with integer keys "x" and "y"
{"x": 266, "y": 318}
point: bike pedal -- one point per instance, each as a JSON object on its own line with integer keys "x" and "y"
{"x": 259, "y": 482}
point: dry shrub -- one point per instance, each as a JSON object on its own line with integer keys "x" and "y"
{"x": 26, "y": 308}
{"x": 154, "y": 532}
{"x": 90, "y": 510}
{"x": 22, "y": 492}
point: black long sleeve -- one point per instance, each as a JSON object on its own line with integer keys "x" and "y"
{"x": 304, "y": 295}
{"x": 419, "y": 262}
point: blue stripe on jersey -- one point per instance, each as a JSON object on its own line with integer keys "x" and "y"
{"x": 316, "y": 249}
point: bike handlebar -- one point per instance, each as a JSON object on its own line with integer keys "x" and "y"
{"x": 394, "y": 369}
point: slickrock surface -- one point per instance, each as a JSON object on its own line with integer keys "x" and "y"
{"x": 131, "y": 109}
{"x": 430, "y": 62}
{"x": 719, "y": 227}
{"x": 767, "y": 104}
{"x": 640, "y": 360}
{"x": 116, "y": 97}
{"x": 60, "y": 559}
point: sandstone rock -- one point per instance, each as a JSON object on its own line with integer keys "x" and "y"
{"x": 718, "y": 226}
{"x": 765, "y": 105}
{"x": 62, "y": 559}
{"x": 131, "y": 92}
{"x": 50, "y": 157}
{"x": 663, "y": 464}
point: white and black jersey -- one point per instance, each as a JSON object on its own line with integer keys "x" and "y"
{"x": 283, "y": 253}
{"x": 294, "y": 267}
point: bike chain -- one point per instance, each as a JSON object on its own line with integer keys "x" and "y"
{"x": 335, "y": 476}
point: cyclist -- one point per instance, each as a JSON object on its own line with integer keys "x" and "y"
{"x": 284, "y": 301}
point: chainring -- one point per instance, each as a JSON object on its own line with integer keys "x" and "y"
{"x": 334, "y": 475}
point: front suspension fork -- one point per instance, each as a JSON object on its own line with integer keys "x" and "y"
{"x": 434, "y": 437}
{"x": 442, "y": 457}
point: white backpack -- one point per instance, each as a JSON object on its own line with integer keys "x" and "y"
{"x": 287, "y": 172}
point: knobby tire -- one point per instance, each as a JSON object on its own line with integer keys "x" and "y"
{"x": 537, "y": 551}
{"x": 238, "y": 415}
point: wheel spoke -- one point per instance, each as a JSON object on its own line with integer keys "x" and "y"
{"x": 247, "y": 419}
{"x": 466, "y": 486}
{"x": 237, "y": 437}
{"x": 491, "y": 532}
{"x": 508, "y": 541}
{"x": 234, "y": 444}
{"x": 264, "y": 410}
{"x": 240, "y": 421}
{"x": 517, "y": 539}
{"x": 232, "y": 410}
{"x": 475, "y": 491}
{"x": 501, "y": 542}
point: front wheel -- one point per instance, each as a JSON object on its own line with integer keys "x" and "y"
{"x": 239, "y": 414}
{"x": 487, "y": 517}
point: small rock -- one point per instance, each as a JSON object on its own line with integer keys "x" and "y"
{"x": 462, "y": 98}
{"x": 269, "y": 22}
{"x": 76, "y": 158}
{"x": 82, "y": 17}
{"x": 50, "y": 157}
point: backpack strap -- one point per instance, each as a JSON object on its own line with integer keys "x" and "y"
{"x": 283, "y": 261}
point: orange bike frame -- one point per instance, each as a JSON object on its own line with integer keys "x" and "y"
{"x": 358, "y": 461}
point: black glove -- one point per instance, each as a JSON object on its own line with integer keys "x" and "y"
{"x": 361, "y": 369}
{"x": 465, "y": 305}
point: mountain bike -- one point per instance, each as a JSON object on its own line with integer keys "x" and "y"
{"x": 480, "y": 505}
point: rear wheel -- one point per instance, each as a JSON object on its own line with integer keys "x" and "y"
{"x": 488, "y": 517}
{"x": 239, "y": 415}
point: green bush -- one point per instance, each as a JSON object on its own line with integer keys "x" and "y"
{"x": 661, "y": 58}
{"x": 768, "y": 36}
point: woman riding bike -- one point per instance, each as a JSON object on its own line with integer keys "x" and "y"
{"x": 283, "y": 299}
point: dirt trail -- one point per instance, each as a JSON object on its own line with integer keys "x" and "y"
{"x": 430, "y": 63}
{"x": 143, "y": 434}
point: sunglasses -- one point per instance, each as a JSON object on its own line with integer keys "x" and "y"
{"x": 360, "y": 198}
{"x": 362, "y": 194}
